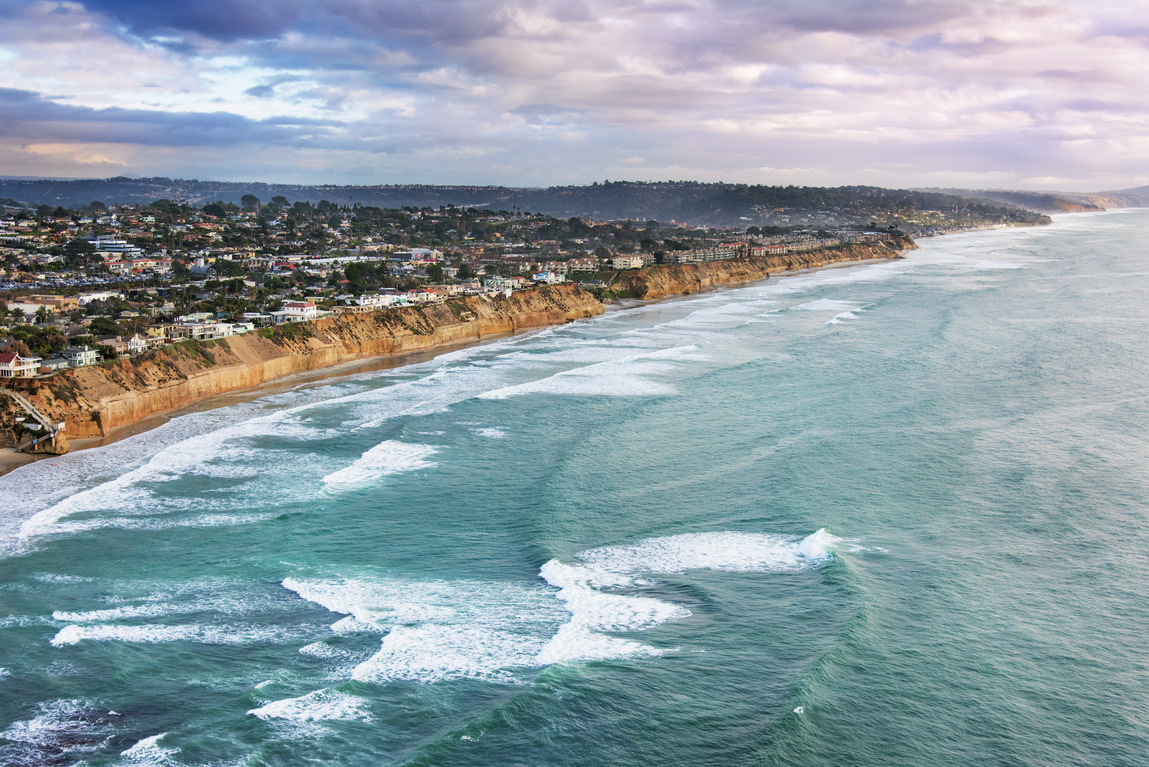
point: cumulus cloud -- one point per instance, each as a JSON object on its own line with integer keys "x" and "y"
{"x": 526, "y": 91}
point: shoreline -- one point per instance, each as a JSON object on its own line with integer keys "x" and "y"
{"x": 11, "y": 459}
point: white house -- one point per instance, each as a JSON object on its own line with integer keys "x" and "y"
{"x": 12, "y": 365}
{"x": 378, "y": 301}
{"x": 300, "y": 311}
{"x": 78, "y": 356}
{"x": 137, "y": 345}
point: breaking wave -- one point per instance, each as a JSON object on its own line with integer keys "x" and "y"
{"x": 440, "y": 630}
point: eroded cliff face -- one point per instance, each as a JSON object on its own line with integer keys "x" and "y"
{"x": 97, "y": 399}
{"x": 663, "y": 281}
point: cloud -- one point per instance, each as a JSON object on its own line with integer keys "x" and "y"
{"x": 29, "y": 116}
{"x": 540, "y": 92}
{"x": 223, "y": 22}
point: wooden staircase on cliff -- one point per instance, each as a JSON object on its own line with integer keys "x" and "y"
{"x": 52, "y": 429}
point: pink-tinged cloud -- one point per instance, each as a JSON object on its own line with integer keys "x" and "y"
{"x": 894, "y": 92}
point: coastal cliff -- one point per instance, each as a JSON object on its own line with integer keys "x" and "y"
{"x": 663, "y": 281}
{"x": 97, "y": 399}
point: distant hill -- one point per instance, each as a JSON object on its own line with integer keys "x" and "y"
{"x": 1138, "y": 197}
{"x": 709, "y": 204}
{"x": 1042, "y": 202}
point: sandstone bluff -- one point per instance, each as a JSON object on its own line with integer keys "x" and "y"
{"x": 93, "y": 401}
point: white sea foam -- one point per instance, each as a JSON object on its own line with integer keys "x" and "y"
{"x": 723, "y": 311}
{"x": 626, "y": 376}
{"x": 434, "y": 653}
{"x": 158, "y": 522}
{"x": 155, "y": 634}
{"x": 349, "y": 625}
{"x": 729, "y": 551}
{"x": 58, "y": 578}
{"x": 827, "y": 305}
{"x": 491, "y": 433}
{"x": 23, "y": 621}
{"x": 324, "y": 651}
{"x": 194, "y": 597}
{"x": 436, "y": 630}
{"x": 439, "y": 630}
{"x": 171, "y": 462}
{"x": 317, "y": 706}
{"x": 817, "y": 547}
{"x": 149, "y": 752}
{"x": 593, "y": 611}
{"x": 115, "y": 613}
{"x": 390, "y": 457}
{"x": 838, "y": 319}
{"x": 61, "y": 726}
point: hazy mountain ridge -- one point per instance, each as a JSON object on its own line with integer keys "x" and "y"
{"x": 712, "y": 204}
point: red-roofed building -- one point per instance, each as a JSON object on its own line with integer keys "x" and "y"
{"x": 12, "y": 365}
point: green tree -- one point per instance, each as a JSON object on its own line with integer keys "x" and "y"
{"x": 104, "y": 326}
{"x": 249, "y": 203}
{"x": 78, "y": 253}
{"x": 220, "y": 208}
{"x": 435, "y": 273}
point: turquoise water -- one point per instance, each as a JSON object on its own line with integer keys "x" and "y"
{"x": 891, "y": 514}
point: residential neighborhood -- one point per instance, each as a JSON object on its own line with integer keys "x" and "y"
{"x": 103, "y": 282}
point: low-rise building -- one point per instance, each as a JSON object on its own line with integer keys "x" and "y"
{"x": 548, "y": 278}
{"x": 582, "y": 265}
{"x": 300, "y": 311}
{"x": 631, "y": 261}
{"x": 79, "y": 356}
{"x": 137, "y": 345}
{"x": 52, "y": 364}
{"x": 12, "y": 365}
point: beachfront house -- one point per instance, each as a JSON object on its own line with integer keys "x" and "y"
{"x": 548, "y": 278}
{"x": 300, "y": 311}
{"x": 12, "y": 365}
{"x": 137, "y": 345}
{"x": 79, "y": 356}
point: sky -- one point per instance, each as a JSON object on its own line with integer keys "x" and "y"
{"x": 972, "y": 93}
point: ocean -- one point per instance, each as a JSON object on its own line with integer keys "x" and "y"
{"x": 885, "y": 514}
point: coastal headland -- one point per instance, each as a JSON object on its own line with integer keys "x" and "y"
{"x": 680, "y": 279}
{"x": 95, "y": 401}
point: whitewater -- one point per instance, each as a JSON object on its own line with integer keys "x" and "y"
{"x": 890, "y": 513}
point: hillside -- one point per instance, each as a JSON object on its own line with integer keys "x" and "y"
{"x": 712, "y": 204}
